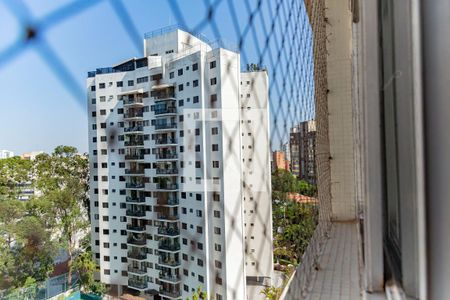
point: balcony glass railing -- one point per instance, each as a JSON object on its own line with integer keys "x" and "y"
{"x": 166, "y": 156}
{"x": 169, "y": 262}
{"x": 135, "y": 199}
{"x": 134, "y": 156}
{"x": 134, "y": 171}
{"x": 167, "y": 171}
{"x": 169, "y": 277}
{"x": 169, "y": 247}
{"x": 135, "y": 213}
{"x": 133, "y": 115}
{"x": 165, "y": 110}
{"x": 138, "y": 242}
{"x": 173, "y": 201}
{"x": 135, "y": 227}
{"x": 131, "y": 185}
{"x": 137, "y": 255}
{"x": 165, "y": 141}
{"x": 140, "y": 271}
{"x": 168, "y": 231}
{"x": 134, "y": 143}
{"x": 169, "y": 217}
{"x": 134, "y": 129}
{"x": 138, "y": 284}
{"x": 133, "y": 101}
{"x": 166, "y": 126}
{"x": 171, "y": 294}
{"x": 167, "y": 186}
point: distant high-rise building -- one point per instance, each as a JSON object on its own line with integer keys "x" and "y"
{"x": 303, "y": 151}
{"x": 279, "y": 161}
{"x": 287, "y": 152}
{"x": 6, "y": 154}
{"x": 180, "y": 171}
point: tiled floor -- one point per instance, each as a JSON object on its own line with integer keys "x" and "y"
{"x": 338, "y": 274}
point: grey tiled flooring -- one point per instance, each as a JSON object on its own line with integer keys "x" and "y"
{"x": 338, "y": 274}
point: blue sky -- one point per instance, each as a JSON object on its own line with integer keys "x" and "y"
{"x": 43, "y": 104}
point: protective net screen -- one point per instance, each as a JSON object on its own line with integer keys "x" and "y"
{"x": 288, "y": 206}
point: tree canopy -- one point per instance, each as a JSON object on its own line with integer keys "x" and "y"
{"x": 33, "y": 232}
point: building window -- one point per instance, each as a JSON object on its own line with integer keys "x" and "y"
{"x": 180, "y": 102}
{"x": 212, "y": 64}
{"x": 93, "y": 88}
{"x": 195, "y": 83}
{"x": 119, "y": 83}
{"x": 106, "y": 271}
{"x": 217, "y": 214}
{"x": 213, "y": 81}
{"x": 101, "y": 86}
{"x": 171, "y": 75}
{"x": 180, "y": 72}
{"x": 218, "y": 247}
{"x": 142, "y": 79}
{"x": 195, "y": 67}
{"x": 216, "y": 230}
{"x": 180, "y": 87}
{"x": 214, "y": 130}
{"x": 215, "y": 147}
{"x": 106, "y": 258}
{"x": 213, "y": 97}
{"x": 218, "y": 264}
{"x": 215, "y": 163}
{"x": 195, "y": 99}
{"x": 130, "y": 82}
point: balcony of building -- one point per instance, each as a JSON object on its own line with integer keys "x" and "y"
{"x": 166, "y": 108}
{"x": 133, "y": 114}
{"x": 166, "y": 169}
{"x": 136, "y": 182}
{"x": 138, "y": 254}
{"x": 135, "y": 211}
{"x": 134, "y": 154}
{"x": 170, "y": 276}
{"x": 137, "y": 239}
{"x": 169, "y": 244}
{"x": 134, "y": 130}
{"x": 166, "y": 154}
{"x": 136, "y": 225}
{"x": 168, "y": 124}
{"x": 133, "y": 100}
{"x": 169, "y": 260}
{"x": 139, "y": 283}
{"x": 163, "y": 92}
{"x": 165, "y": 140}
{"x": 166, "y": 199}
{"x": 137, "y": 269}
{"x": 166, "y": 184}
{"x": 169, "y": 230}
{"x": 167, "y": 214}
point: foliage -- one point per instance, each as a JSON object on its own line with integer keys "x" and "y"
{"x": 284, "y": 182}
{"x": 85, "y": 266}
{"x": 293, "y": 222}
{"x": 272, "y": 293}
{"x": 199, "y": 294}
{"x": 32, "y": 232}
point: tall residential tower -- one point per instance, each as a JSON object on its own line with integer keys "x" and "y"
{"x": 180, "y": 171}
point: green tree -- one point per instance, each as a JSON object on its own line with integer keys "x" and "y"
{"x": 85, "y": 267}
{"x": 63, "y": 179}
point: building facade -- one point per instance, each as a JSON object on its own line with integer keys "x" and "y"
{"x": 6, "y": 154}
{"x": 279, "y": 161}
{"x": 303, "y": 151}
{"x": 172, "y": 138}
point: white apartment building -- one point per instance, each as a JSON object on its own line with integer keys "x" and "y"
{"x": 6, "y": 154}
{"x": 180, "y": 171}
